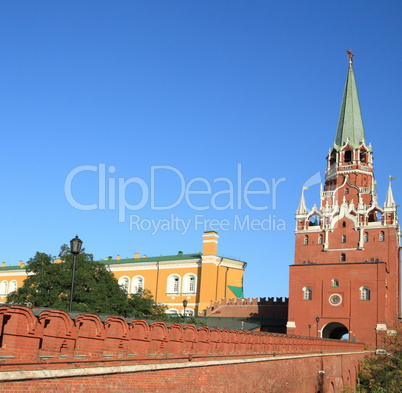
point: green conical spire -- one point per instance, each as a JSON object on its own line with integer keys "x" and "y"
{"x": 350, "y": 125}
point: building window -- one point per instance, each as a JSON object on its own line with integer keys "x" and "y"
{"x": 189, "y": 283}
{"x": 343, "y": 224}
{"x": 382, "y": 236}
{"x": 320, "y": 239}
{"x": 138, "y": 284}
{"x": 173, "y": 285}
{"x": 365, "y": 237}
{"x": 3, "y": 288}
{"x": 13, "y": 286}
{"x": 343, "y": 257}
{"x": 364, "y": 293}
{"x": 346, "y": 190}
{"x": 305, "y": 240}
{"x": 348, "y": 155}
{"x": 343, "y": 238}
{"x": 335, "y": 282}
{"x": 307, "y": 293}
{"x": 124, "y": 282}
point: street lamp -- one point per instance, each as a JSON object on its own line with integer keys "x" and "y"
{"x": 75, "y": 247}
{"x": 317, "y": 320}
{"x": 185, "y": 302}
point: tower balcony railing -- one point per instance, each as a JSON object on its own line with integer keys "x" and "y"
{"x": 327, "y": 194}
{"x": 333, "y": 169}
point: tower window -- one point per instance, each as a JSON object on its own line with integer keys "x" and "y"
{"x": 365, "y": 237}
{"x": 307, "y": 293}
{"x": 348, "y": 155}
{"x": 343, "y": 238}
{"x": 382, "y": 236}
{"x": 343, "y": 257}
{"x": 344, "y": 224}
{"x": 363, "y": 156}
{"x": 320, "y": 239}
{"x": 314, "y": 220}
{"x": 332, "y": 159}
{"x": 346, "y": 190}
{"x": 335, "y": 282}
{"x": 364, "y": 293}
{"x": 305, "y": 240}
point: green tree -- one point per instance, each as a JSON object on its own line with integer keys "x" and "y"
{"x": 382, "y": 373}
{"x": 96, "y": 290}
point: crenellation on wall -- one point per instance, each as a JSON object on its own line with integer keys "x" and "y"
{"x": 42, "y": 347}
{"x": 52, "y": 335}
{"x": 216, "y": 306}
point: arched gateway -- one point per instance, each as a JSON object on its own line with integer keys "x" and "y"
{"x": 335, "y": 330}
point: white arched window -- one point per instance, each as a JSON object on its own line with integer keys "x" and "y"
{"x": 382, "y": 236}
{"x": 189, "y": 284}
{"x": 137, "y": 284}
{"x": 365, "y": 237}
{"x": 320, "y": 239}
{"x": 124, "y": 282}
{"x": 364, "y": 293}
{"x": 307, "y": 293}
{"x": 173, "y": 285}
{"x": 13, "y": 286}
{"x": 3, "y": 288}
{"x": 305, "y": 240}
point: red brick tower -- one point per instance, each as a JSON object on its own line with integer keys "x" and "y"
{"x": 346, "y": 274}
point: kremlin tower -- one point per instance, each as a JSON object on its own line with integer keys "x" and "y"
{"x": 345, "y": 280}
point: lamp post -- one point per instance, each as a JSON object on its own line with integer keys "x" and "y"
{"x": 184, "y": 306}
{"x": 317, "y": 320}
{"x": 75, "y": 247}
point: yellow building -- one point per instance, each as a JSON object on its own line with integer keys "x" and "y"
{"x": 198, "y": 278}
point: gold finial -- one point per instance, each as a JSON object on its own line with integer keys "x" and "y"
{"x": 350, "y": 55}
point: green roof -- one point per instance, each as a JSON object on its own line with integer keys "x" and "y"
{"x": 237, "y": 291}
{"x": 177, "y": 257}
{"x": 350, "y": 125}
{"x": 11, "y": 268}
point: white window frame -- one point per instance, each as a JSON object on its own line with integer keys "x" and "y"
{"x": 365, "y": 293}
{"x": 173, "y": 285}
{"x": 189, "y": 284}
{"x": 124, "y": 282}
{"x": 13, "y": 286}
{"x": 307, "y": 293}
{"x": 3, "y": 288}
{"x": 137, "y": 284}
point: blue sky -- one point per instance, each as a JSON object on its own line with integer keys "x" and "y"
{"x": 180, "y": 91}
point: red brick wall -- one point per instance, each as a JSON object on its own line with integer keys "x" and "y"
{"x": 52, "y": 352}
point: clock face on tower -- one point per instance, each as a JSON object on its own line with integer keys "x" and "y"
{"x": 335, "y": 299}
